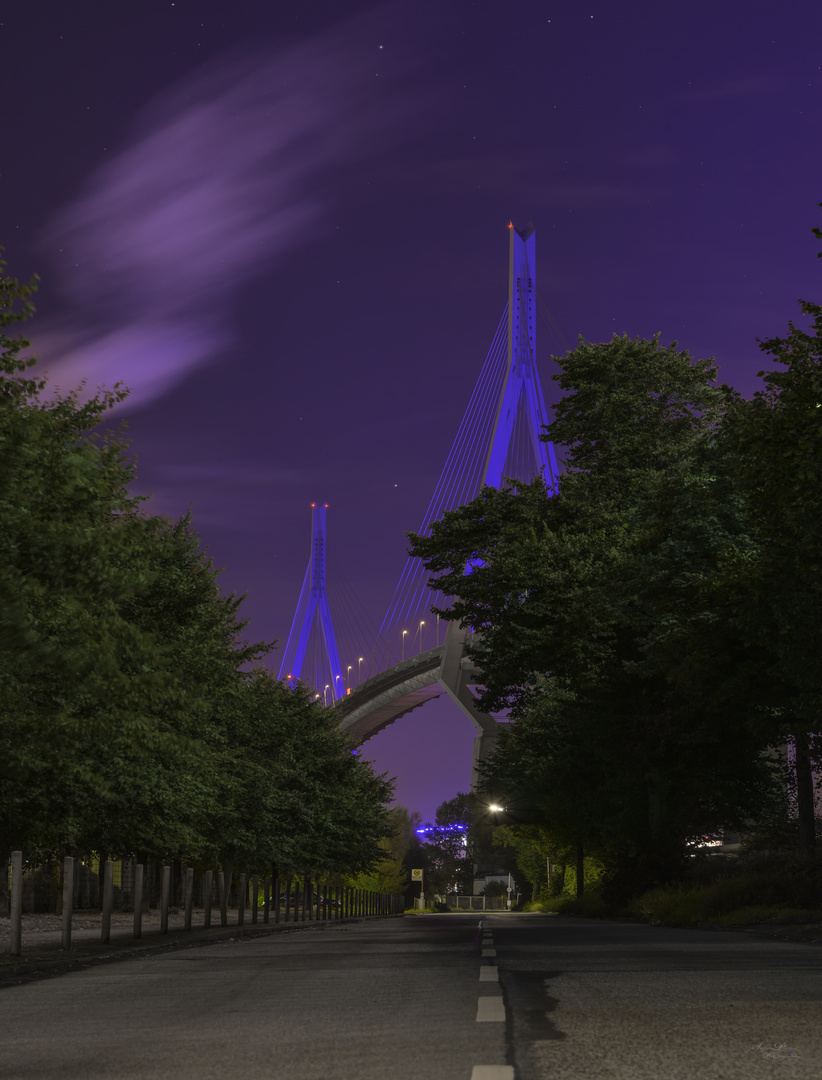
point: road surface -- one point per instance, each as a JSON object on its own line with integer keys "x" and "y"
{"x": 445, "y": 997}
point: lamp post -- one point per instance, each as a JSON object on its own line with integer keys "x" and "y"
{"x": 359, "y": 669}
{"x": 403, "y": 643}
{"x": 325, "y": 695}
{"x": 422, "y": 624}
{"x": 349, "y": 675}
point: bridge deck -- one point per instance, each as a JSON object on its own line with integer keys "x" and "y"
{"x": 384, "y": 698}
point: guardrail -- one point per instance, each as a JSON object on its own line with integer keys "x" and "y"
{"x": 290, "y": 900}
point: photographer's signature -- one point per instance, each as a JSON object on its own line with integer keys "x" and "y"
{"x": 776, "y": 1050}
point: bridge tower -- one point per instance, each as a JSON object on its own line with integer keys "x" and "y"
{"x": 520, "y": 415}
{"x": 313, "y": 617}
{"x": 499, "y": 439}
{"x": 515, "y": 451}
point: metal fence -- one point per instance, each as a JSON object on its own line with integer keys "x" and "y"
{"x": 463, "y": 902}
{"x": 57, "y": 886}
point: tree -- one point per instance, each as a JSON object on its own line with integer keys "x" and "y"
{"x": 774, "y": 450}
{"x": 129, "y": 719}
{"x": 391, "y": 873}
{"x": 592, "y": 615}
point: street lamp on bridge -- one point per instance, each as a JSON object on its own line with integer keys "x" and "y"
{"x": 403, "y": 643}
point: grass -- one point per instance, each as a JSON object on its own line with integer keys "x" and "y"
{"x": 776, "y": 888}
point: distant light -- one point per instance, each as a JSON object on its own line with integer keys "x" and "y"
{"x": 348, "y": 691}
{"x": 441, "y": 828}
{"x": 510, "y": 224}
{"x": 496, "y": 809}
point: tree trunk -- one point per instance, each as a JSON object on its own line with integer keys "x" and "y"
{"x": 804, "y": 794}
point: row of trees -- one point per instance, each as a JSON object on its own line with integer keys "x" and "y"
{"x": 655, "y": 626}
{"x": 134, "y": 716}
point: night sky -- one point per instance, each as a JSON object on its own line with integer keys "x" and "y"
{"x": 284, "y": 227}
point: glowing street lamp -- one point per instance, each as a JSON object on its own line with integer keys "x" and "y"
{"x": 349, "y": 675}
{"x": 325, "y": 695}
{"x": 403, "y": 643}
{"x": 422, "y": 624}
{"x": 359, "y": 669}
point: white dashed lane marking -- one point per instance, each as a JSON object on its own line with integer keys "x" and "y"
{"x": 489, "y": 974}
{"x": 492, "y": 1072}
{"x": 491, "y": 1009}
{"x": 489, "y": 952}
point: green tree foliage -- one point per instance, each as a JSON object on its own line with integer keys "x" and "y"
{"x": 130, "y": 722}
{"x": 391, "y": 873}
{"x": 594, "y": 619}
{"x": 773, "y": 445}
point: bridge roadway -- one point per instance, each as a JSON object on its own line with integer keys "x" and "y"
{"x": 406, "y": 686}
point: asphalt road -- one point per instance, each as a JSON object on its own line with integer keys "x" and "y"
{"x": 441, "y": 997}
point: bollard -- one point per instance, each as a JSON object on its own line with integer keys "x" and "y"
{"x": 68, "y": 899}
{"x": 255, "y": 897}
{"x": 164, "y": 899}
{"x": 139, "y": 870}
{"x": 208, "y": 878}
{"x": 189, "y": 895}
{"x": 266, "y": 898}
{"x": 222, "y": 898}
{"x": 17, "y": 903}
{"x": 108, "y": 900}
{"x": 241, "y": 899}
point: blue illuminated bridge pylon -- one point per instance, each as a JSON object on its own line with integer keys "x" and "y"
{"x": 501, "y": 438}
{"x": 311, "y": 653}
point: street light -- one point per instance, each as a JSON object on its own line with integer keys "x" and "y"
{"x": 349, "y": 675}
{"x": 325, "y": 695}
{"x": 403, "y": 643}
{"x": 359, "y": 669}
{"x": 422, "y": 624}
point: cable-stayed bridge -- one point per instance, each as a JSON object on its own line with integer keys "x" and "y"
{"x": 413, "y": 658}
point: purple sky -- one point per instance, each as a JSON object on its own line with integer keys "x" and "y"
{"x": 284, "y": 227}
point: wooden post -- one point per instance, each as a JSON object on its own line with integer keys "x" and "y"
{"x": 241, "y": 899}
{"x": 266, "y": 898}
{"x": 189, "y": 894}
{"x": 255, "y": 897}
{"x": 222, "y": 898}
{"x": 108, "y": 900}
{"x": 208, "y": 879}
{"x": 17, "y": 903}
{"x": 164, "y": 899}
{"x": 139, "y": 871}
{"x": 68, "y": 899}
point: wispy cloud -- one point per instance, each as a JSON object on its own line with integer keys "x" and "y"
{"x": 221, "y": 178}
